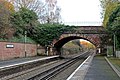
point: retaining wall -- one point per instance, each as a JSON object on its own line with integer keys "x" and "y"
{"x": 10, "y": 50}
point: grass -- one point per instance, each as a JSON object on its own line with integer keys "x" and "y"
{"x": 20, "y": 39}
{"x": 100, "y": 55}
{"x": 115, "y": 62}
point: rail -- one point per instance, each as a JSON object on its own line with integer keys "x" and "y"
{"x": 48, "y": 74}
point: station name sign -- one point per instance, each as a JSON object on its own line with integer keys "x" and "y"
{"x": 9, "y": 46}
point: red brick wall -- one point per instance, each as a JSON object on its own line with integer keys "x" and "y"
{"x": 17, "y": 51}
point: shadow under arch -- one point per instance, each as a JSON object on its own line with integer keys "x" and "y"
{"x": 61, "y": 42}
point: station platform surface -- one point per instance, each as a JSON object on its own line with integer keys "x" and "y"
{"x": 96, "y": 69}
{"x": 100, "y": 70}
{"x": 19, "y": 61}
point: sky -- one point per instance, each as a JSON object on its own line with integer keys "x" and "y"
{"x": 80, "y": 12}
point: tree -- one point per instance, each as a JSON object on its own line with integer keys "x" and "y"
{"x": 21, "y": 3}
{"x": 24, "y": 20}
{"x": 76, "y": 42}
{"x": 113, "y": 24}
{"x": 107, "y": 7}
{"x": 35, "y": 5}
{"x": 6, "y": 9}
{"x": 47, "y": 10}
{"x": 57, "y": 16}
{"x": 53, "y": 11}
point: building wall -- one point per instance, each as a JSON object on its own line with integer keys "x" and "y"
{"x": 16, "y": 50}
{"x": 43, "y": 51}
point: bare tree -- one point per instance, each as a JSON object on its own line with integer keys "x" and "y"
{"x": 47, "y": 10}
{"x": 30, "y": 4}
{"x": 53, "y": 11}
{"x": 57, "y": 16}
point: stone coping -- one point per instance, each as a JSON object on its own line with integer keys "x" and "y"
{"x": 113, "y": 67}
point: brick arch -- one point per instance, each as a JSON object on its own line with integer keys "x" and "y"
{"x": 64, "y": 38}
{"x": 90, "y": 33}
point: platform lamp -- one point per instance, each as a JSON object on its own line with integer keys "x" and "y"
{"x": 25, "y": 43}
{"x": 114, "y": 45}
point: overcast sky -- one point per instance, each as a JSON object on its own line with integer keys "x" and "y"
{"x": 76, "y": 11}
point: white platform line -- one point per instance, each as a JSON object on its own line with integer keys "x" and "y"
{"x": 78, "y": 68}
{"x": 27, "y": 62}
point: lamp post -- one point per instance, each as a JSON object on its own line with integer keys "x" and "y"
{"x": 114, "y": 44}
{"x": 25, "y": 43}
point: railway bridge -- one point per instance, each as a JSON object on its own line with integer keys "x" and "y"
{"x": 92, "y": 34}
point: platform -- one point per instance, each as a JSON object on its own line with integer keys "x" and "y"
{"x": 20, "y": 61}
{"x": 100, "y": 70}
{"x": 97, "y": 69}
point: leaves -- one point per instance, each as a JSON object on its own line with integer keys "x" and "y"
{"x": 108, "y": 7}
{"x": 47, "y": 10}
{"x": 5, "y": 12}
{"x": 23, "y": 20}
{"x": 46, "y": 33}
{"x": 114, "y": 20}
{"x": 113, "y": 24}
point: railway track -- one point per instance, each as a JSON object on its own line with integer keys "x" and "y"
{"x": 48, "y": 74}
{"x": 7, "y": 72}
{"x": 49, "y": 70}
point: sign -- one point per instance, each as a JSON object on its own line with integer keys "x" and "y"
{"x": 9, "y": 46}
